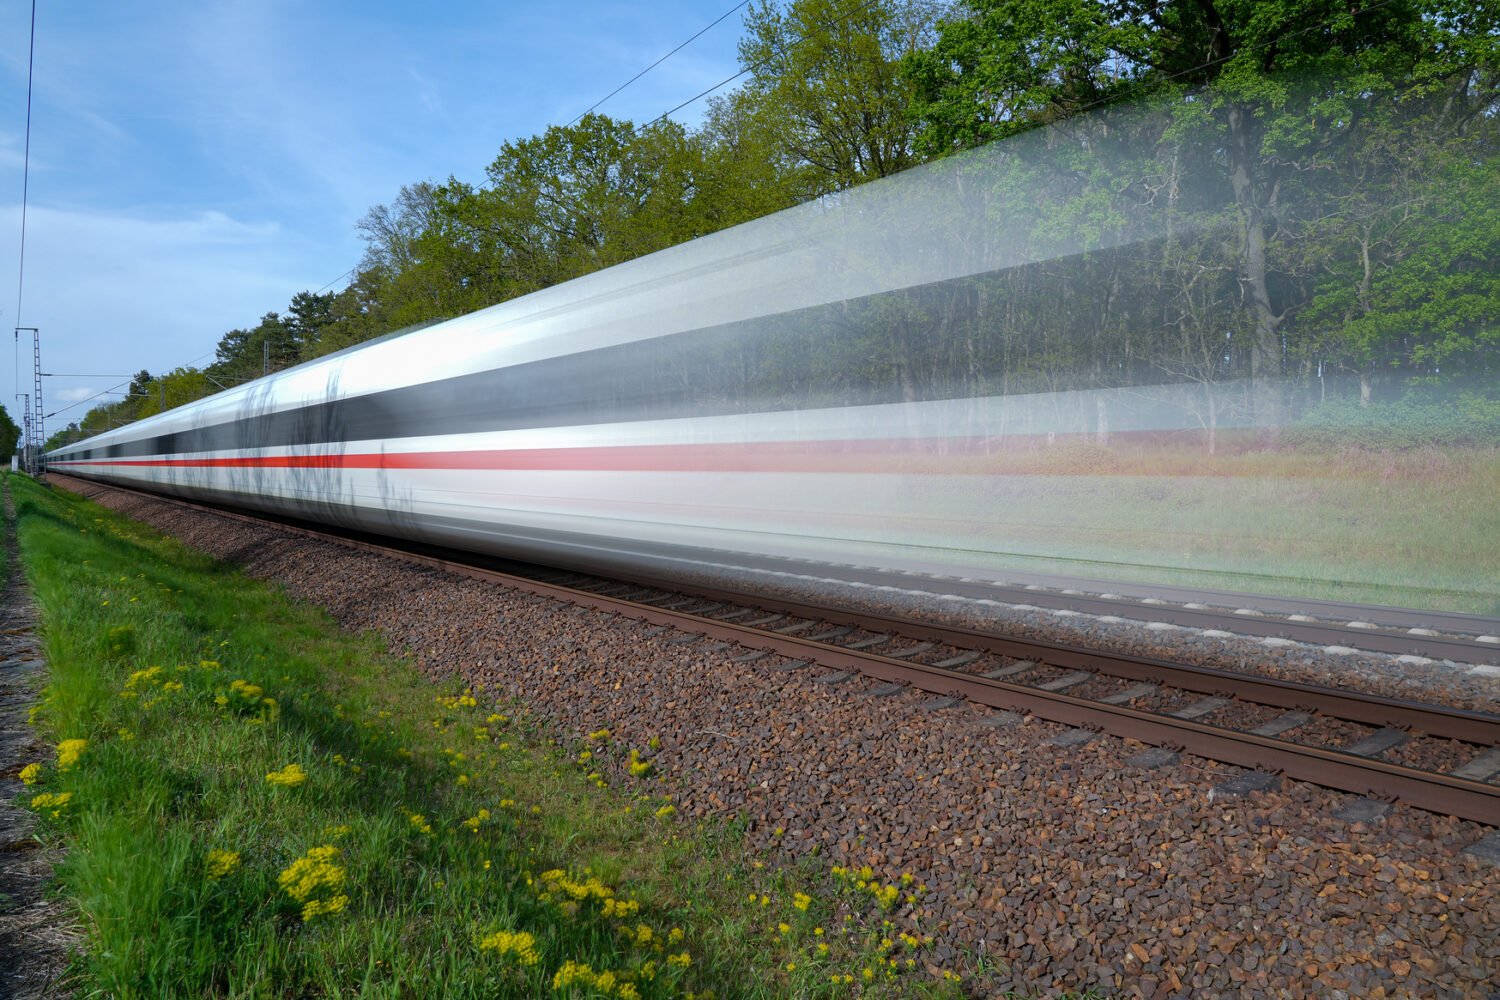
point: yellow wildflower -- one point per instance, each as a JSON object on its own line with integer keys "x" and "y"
{"x": 246, "y": 690}
{"x": 56, "y": 803}
{"x": 220, "y": 863}
{"x": 30, "y": 773}
{"x": 315, "y": 875}
{"x": 147, "y": 676}
{"x": 288, "y": 777}
{"x": 802, "y": 901}
{"x": 315, "y": 908}
{"x": 68, "y": 752}
{"x": 514, "y": 944}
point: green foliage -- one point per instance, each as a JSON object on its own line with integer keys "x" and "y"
{"x": 1419, "y": 419}
{"x": 276, "y": 342}
{"x": 10, "y": 436}
{"x": 827, "y": 84}
{"x": 1356, "y": 148}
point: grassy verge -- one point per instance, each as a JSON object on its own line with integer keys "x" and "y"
{"x": 258, "y": 804}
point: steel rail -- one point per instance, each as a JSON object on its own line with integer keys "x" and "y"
{"x": 1220, "y": 604}
{"x": 1442, "y": 793}
{"x": 1462, "y": 724}
{"x": 1383, "y": 636}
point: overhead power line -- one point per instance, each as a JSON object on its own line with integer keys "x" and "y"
{"x": 658, "y": 62}
{"x": 757, "y": 66}
{"x": 344, "y": 275}
{"x": 25, "y": 173}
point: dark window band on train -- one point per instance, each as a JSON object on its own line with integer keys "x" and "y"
{"x": 1021, "y": 330}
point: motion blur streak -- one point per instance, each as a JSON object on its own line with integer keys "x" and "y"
{"x": 1035, "y": 357}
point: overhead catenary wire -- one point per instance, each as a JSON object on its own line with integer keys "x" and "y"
{"x": 25, "y": 191}
{"x": 113, "y": 388}
{"x": 339, "y": 278}
{"x": 25, "y": 172}
{"x": 658, "y": 62}
{"x": 756, "y": 66}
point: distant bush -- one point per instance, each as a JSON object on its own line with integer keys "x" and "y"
{"x": 1075, "y": 457}
{"x": 1468, "y": 418}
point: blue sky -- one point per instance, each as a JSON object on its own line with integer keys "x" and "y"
{"x": 193, "y": 165}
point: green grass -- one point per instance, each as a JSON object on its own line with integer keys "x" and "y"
{"x": 430, "y": 824}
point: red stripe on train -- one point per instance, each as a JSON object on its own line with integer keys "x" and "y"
{"x": 831, "y": 456}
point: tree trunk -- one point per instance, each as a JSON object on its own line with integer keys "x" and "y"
{"x": 1265, "y": 346}
{"x": 1265, "y": 350}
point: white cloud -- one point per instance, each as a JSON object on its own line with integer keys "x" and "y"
{"x": 114, "y": 293}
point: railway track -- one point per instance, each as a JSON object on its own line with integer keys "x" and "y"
{"x": 1091, "y": 690}
{"x": 1430, "y": 635}
{"x": 1394, "y": 631}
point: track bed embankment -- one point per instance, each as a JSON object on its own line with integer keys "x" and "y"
{"x": 1068, "y": 866}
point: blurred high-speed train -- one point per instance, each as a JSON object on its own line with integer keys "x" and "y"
{"x": 828, "y": 382}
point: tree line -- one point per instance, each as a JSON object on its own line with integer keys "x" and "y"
{"x": 1301, "y": 192}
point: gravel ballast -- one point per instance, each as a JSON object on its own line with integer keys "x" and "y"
{"x": 1064, "y": 866}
